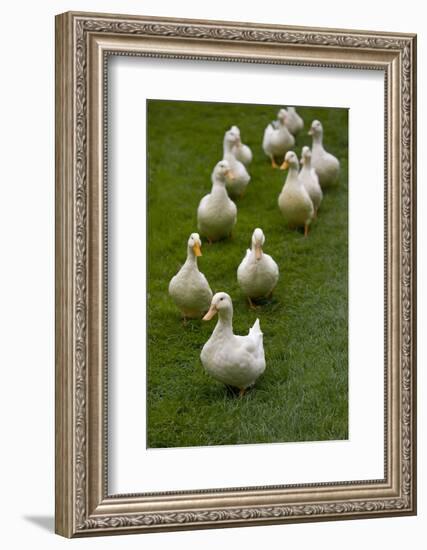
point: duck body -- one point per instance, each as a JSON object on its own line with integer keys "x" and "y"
{"x": 257, "y": 278}
{"x": 258, "y": 273}
{"x": 189, "y": 288}
{"x": 241, "y": 151}
{"x": 238, "y": 178}
{"x": 217, "y": 213}
{"x": 294, "y": 122}
{"x": 277, "y": 139}
{"x": 294, "y": 201}
{"x": 310, "y": 179}
{"x": 231, "y": 359}
{"x": 327, "y": 166}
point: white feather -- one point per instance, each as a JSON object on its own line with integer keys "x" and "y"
{"x": 217, "y": 214}
{"x": 189, "y": 288}
{"x": 233, "y": 360}
{"x": 277, "y": 140}
{"x": 326, "y": 165}
{"x": 294, "y": 201}
{"x": 257, "y": 277}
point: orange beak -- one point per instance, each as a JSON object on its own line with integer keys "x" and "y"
{"x": 211, "y": 313}
{"x": 230, "y": 175}
{"x": 285, "y": 165}
{"x": 310, "y": 132}
{"x": 196, "y": 249}
{"x": 258, "y": 251}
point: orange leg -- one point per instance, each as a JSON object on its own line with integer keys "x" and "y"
{"x": 306, "y": 230}
{"x": 242, "y": 392}
{"x": 251, "y": 304}
{"x": 273, "y": 163}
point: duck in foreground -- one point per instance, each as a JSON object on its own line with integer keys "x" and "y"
{"x": 189, "y": 288}
{"x": 277, "y": 138}
{"x": 310, "y": 179}
{"x": 326, "y": 165}
{"x": 241, "y": 151}
{"x": 237, "y": 361}
{"x": 238, "y": 177}
{"x": 217, "y": 213}
{"x": 294, "y": 201}
{"x": 258, "y": 273}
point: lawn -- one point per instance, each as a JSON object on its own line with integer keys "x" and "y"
{"x": 303, "y": 394}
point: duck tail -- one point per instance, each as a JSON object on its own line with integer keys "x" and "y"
{"x": 255, "y": 330}
{"x": 265, "y": 141}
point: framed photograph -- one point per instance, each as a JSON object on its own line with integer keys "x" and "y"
{"x": 235, "y": 274}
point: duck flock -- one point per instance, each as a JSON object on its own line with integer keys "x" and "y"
{"x": 234, "y": 360}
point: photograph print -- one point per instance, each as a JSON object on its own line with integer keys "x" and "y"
{"x": 247, "y": 274}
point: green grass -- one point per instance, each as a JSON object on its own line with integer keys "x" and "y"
{"x": 303, "y": 394}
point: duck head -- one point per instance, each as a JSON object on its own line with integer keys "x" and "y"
{"x": 231, "y": 138}
{"x": 221, "y": 304}
{"x": 194, "y": 244}
{"x": 222, "y": 171}
{"x": 291, "y": 161}
{"x": 316, "y": 129}
{"x": 236, "y": 131}
{"x": 282, "y": 115}
{"x": 258, "y": 239}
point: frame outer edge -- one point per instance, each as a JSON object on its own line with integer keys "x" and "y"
{"x": 156, "y": 19}
{"x": 73, "y": 515}
{"x": 64, "y": 237}
{"x": 414, "y": 270}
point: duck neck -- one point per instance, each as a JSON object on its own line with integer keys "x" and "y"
{"x": 224, "y": 326}
{"x": 229, "y": 156}
{"x": 253, "y": 251}
{"x": 228, "y": 147}
{"x": 191, "y": 260}
{"x": 292, "y": 178}
{"x": 218, "y": 189}
{"x": 317, "y": 141}
{"x": 307, "y": 164}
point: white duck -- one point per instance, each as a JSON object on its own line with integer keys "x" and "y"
{"x": 294, "y": 201}
{"x": 238, "y": 177}
{"x": 293, "y": 121}
{"x": 189, "y": 288}
{"x": 277, "y": 140}
{"x": 310, "y": 179}
{"x": 233, "y": 360}
{"x": 258, "y": 273}
{"x": 217, "y": 214}
{"x": 326, "y": 165}
{"x": 241, "y": 151}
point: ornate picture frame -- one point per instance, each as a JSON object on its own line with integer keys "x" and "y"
{"x": 83, "y": 43}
